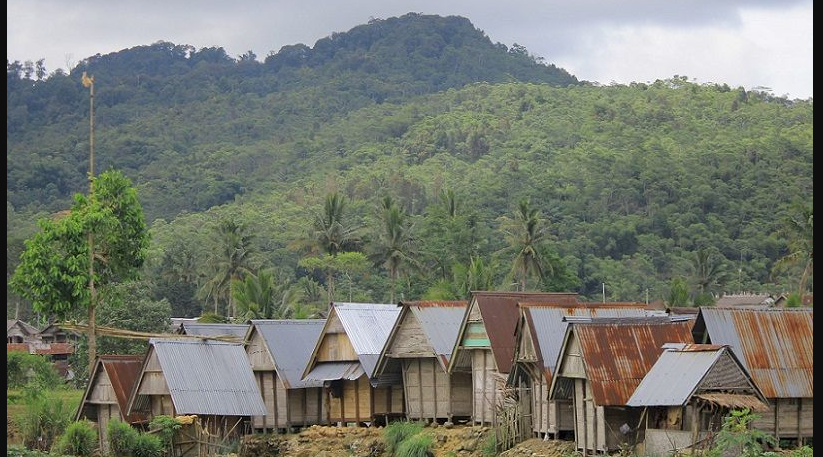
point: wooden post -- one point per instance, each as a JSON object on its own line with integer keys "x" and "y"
{"x": 343, "y": 402}
{"x": 585, "y": 417}
{"x": 434, "y": 389}
{"x": 483, "y": 390}
{"x": 695, "y": 424}
{"x": 420, "y": 388}
{"x": 777, "y": 421}
{"x": 357, "y": 400}
{"x": 260, "y": 379}
{"x": 305, "y": 406}
{"x": 288, "y": 410}
{"x": 799, "y": 432}
{"x": 274, "y": 392}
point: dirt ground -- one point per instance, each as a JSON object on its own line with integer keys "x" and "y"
{"x": 460, "y": 441}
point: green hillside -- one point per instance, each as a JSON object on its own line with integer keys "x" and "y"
{"x": 634, "y": 180}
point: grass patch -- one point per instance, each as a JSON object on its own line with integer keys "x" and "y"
{"x": 397, "y": 432}
{"x": 416, "y": 446}
{"x": 490, "y": 446}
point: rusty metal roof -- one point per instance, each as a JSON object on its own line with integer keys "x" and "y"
{"x": 547, "y": 326}
{"x": 618, "y": 356}
{"x": 290, "y": 344}
{"x": 123, "y": 371}
{"x": 775, "y": 345}
{"x": 500, "y": 316}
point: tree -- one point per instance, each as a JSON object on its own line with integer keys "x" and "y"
{"x": 679, "y": 293}
{"x": 798, "y": 228}
{"x": 395, "y": 246}
{"x": 525, "y": 234}
{"x": 332, "y": 233}
{"x": 344, "y": 262}
{"x": 54, "y": 269}
{"x": 232, "y": 260}
{"x": 478, "y": 275}
{"x": 263, "y": 296}
{"x": 708, "y": 270}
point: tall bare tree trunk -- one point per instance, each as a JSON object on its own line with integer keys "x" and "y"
{"x": 92, "y": 308}
{"x": 393, "y": 275}
{"x": 803, "y": 280}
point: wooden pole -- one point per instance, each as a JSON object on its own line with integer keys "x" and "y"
{"x": 89, "y": 82}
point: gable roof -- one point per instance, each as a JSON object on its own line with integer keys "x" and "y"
{"x": 198, "y": 329}
{"x": 367, "y": 326}
{"x": 617, "y": 356}
{"x": 206, "y": 377}
{"x": 440, "y": 321}
{"x": 500, "y": 309}
{"x": 29, "y": 329}
{"x": 547, "y": 326}
{"x": 775, "y": 345}
{"x": 289, "y": 343}
{"x": 123, "y": 371}
{"x": 680, "y": 370}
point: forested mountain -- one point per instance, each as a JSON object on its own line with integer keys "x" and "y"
{"x": 632, "y": 185}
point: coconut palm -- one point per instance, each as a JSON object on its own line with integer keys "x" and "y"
{"x": 525, "y": 234}
{"x": 798, "y": 228}
{"x": 332, "y": 233}
{"x": 231, "y": 261}
{"x": 708, "y": 270}
{"x": 395, "y": 246}
{"x": 263, "y": 296}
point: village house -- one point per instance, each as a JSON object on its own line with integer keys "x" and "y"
{"x": 345, "y": 358}
{"x": 107, "y": 394}
{"x": 214, "y": 330}
{"x": 419, "y": 347}
{"x": 688, "y": 393}
{"x": 600, "y": 364}
{"x": 776, "y": 346}
{"x": 210, "y": 379}
{"x": 485, "y": 345}
{"x": 278, "y": 351}
{"x": 539, "y": 336}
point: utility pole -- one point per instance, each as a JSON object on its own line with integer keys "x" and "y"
{"x": 89, "y": 82}
{"x": 604, "y": 292}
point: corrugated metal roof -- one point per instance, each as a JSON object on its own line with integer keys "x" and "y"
{"x": 209, "y": 377}
{"x": 368, "y": 326}
{"x": 500, "y": 317}
{"x": 548, "y": 326}
{"x": 238, "y": 330}
{"x": 618, "y": 356}
{"x": 290, "y": 343}
{"x": 30, "y": 329}
{"x": 331, "y": 371}
{"x": 775, "y": 345}
{"x": 441, "y": 323}
{"x": 123, "y": 371}
{"x": 674, "y": 377}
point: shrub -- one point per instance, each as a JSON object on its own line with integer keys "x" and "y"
{"x": 121, "y": 438}
{"x": 416, "y": 446}
{"x": 490, "y": 445}
{"x": 396, "y": 432}
{"x": 43, "y": 421}
{"x": 21, "y": 368}
{"x": 165, "y": 426}
{"x": 80, "y": 440}
{"x": 147, "y": 445}
{"x": 736, "y": 437}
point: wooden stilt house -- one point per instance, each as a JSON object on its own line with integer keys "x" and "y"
{"x": 486, "y": 343}
{"x": 107, "y": 394}
{"x": 345, "y": 360}
{"x": 207, "y": 378}
{"x": 278, "y": 351}
{"x": 419, "y": 347}
{"x": 777, "y": 348}
{"x": 601, "y": 363}
{"x": 687, "y": 394}
{"x": 539, "y": 337}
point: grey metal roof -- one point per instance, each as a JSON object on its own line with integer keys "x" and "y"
{"x": 290, "y": 342}
{"x": 673, "y": 378}
{"x": 441, "y": 324}
{"x": 209, "y": 377}
{"x": 238, "y": 330}
{"x": 549, "y": 326}
{"x": 368, "y": 327}
{"x": 331, "y": 371}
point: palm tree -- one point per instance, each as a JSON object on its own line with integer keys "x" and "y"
{"x": 708, "y": 270}
{"x": 230, "y": 262}
{"x": 798, "y": 227}
{"x": 477, "y": 276}
{"x": 525, "y": 234}
{"x": 395, "y": 246}
{"x": 263, "y": 296}
{"x": 332, "y": 233}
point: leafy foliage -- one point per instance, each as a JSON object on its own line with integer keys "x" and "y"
{"x": 147, "y": 445}
{"x": 122, "y": 438}
{"x": 44, "y": 420}
{"x": 79, "y": 439}
{"x": 397, "y": 432}
{"x": 737, "y": 437}
{"x": 418, "y": 445}
{"x": 20, "y": 364}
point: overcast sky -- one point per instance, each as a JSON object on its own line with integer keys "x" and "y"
{"x": 752, "y": 43}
